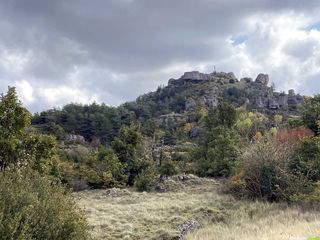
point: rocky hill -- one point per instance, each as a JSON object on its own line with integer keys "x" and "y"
{"x": 195, "y": 90}
{"x": 205, "y": 89}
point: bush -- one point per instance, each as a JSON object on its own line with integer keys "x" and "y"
{"x": 266, "y": 173}
{"x": 32, "y": 207}
{"x": 145, "y": 180}
{"x": 307, "y": 159}
{"x": 167, "y": 168}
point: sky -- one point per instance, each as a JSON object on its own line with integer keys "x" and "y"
{"x": 112, "y": 51}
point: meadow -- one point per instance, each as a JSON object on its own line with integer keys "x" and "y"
{"x": 193, "y": 208}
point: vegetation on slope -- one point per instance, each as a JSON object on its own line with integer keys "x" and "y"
{"x": 33, "y": 205}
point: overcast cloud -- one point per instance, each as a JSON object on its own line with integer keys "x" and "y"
{"x": 111, "y": 51}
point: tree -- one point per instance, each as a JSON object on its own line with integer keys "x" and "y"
{"x": 32, "y": 205}
{"x": 14, "y": 119}
{"x": 127, "y": 147}
{"x": 307, "y": 158}
{"x": 249, "y": 123}
{"x": 311, "y": 113}
{"x": 217, "y": 151}
{"x": 108, "y": 163}
{"x": 40, "y": 149}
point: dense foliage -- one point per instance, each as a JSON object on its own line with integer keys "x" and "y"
{"x": 311, "y": 114}
{"x": 33, "y": 207}
{"x": 32, "y": 204}
{"x": 90, "y": 121}
{"x": 14, "y": 119}
{"x": 284, "y": 166}
{"x": 217, "y": 151}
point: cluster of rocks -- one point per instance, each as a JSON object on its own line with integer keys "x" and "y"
{"x": 173, "y": 117}
{"x": 117, "y": 192}
{"x": 186, "y": 227}
{"x": 261, "y": 96}
{"x": 73, "y": 138}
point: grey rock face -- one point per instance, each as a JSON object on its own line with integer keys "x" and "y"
{"x": 190, "y": 104}
{"x": 246, "y": 80}
{"x": 229, "y": 75}
{"x": 195, "y": 75}
{"x": 263, "y": 79}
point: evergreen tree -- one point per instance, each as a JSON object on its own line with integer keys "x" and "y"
{"x": 217, "y": 151}
{"x": 127, "y": 147}
{"x": 14, "y": 119}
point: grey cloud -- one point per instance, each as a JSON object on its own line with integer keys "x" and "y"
{"x": 133, "y": 39}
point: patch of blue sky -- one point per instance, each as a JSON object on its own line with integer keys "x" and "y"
{"x": 313, "y": 26}
{"x": 239, "y": 39}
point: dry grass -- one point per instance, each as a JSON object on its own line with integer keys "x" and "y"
{"x": 126, "y": 214}
{"x": 269, "y": 222}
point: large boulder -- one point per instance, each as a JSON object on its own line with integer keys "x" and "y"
{"x": 263, "y": 79}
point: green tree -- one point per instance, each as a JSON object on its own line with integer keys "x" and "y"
{"x": 32, "y": 205}
{"x": 40, "y": 150}
{"x": 14, "y": 119}
{"x": 108, "y": 163}
{"x": 128, "y": 148}
{"x": 217, "y": 152}
{"x": 311, "y": 113}
{"x": 307, "y": 158}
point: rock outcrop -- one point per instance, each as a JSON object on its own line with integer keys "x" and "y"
{"x": 196, "y": 77}
{"x": 263, "y": 79}
{"x": 72, "y": 138}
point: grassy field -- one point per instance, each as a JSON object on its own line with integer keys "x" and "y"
{"x": 190, "y": 204}
{"x": 270, "y": 222}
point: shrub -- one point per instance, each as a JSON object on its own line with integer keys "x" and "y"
{"x": 167, "y": 168}
{"x": 32, "y": 207}
{"x": 145, "y": 180}
{"x": 311, "y": 114}
{"x": 266, "y": 172}
{"x": 307, "y": 159}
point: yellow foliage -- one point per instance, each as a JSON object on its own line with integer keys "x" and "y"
{"x": 257, "y": 136}
{"x": 203, "y": 113}
{"x": 278, "y": 118}
{"x": 273, "y": 131}
{"x": 187, "y": 128}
